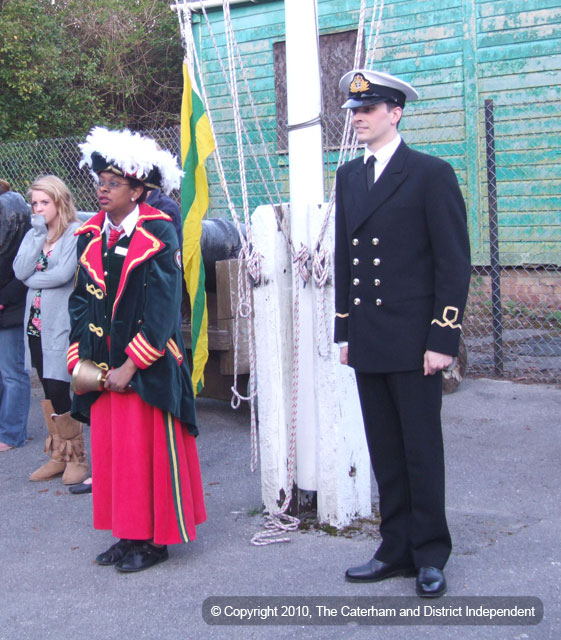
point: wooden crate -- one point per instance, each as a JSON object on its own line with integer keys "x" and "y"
{"x": 222, "y": 309}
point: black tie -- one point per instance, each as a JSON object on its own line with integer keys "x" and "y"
{"x": 370, "y": 172}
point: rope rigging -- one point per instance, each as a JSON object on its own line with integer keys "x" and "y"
{"x": 314, "y": 264}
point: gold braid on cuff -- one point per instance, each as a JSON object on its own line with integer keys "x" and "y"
{"x": 449, "y": 321}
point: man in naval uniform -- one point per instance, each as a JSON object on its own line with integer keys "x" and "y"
{"x": 402, "y": 271}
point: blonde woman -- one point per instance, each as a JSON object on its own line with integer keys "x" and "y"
{"x": 46, "y": 264}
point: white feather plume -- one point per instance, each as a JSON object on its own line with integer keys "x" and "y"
{"x": 133, "y": 154}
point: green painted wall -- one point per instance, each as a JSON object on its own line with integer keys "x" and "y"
{"x": 457, "y": 53}
{"x": 519, "y": 67}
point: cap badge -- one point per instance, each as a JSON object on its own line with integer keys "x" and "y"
{"x": 359, "y": 84}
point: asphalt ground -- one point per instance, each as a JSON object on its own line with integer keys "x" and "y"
{"x": 503, "y": 451}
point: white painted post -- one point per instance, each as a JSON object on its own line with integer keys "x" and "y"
{"x": 343, "y": 465}
{"x": 343, "y": 468}
{"x": 306, "y": 187}
{"x": 332, "y": 456}
{"x": 272, "y": 302}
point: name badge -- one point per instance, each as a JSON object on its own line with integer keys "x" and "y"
{"x": 122, "y": 251}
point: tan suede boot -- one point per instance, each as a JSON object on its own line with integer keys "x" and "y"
{"x": 53, "y": 447}
{"x": 70, "y": 432}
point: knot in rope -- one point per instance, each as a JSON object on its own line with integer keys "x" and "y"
{"x": 253, "y": 265}
{"x": 302, "y": 261}
{"x": 320, "y": 266}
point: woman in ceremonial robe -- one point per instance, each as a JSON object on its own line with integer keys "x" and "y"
{"x": 147, "y": 486}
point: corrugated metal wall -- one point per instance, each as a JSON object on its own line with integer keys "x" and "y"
{"x": 457, "y": 53}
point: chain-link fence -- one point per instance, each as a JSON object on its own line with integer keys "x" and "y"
{"x": 509, "y": 173}
{"x": 512, "y": 325}
{"x": 22, "y": 162}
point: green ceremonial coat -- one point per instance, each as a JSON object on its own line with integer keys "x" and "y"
{"x": 141, "y": 322}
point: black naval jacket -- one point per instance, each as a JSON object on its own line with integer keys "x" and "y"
{"x": 135, "y": 304}
{"x": 402, "y": 262}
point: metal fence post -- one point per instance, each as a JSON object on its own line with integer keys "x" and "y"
{"x": 494, "y": 238}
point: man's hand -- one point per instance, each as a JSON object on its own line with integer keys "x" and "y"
{"x": 118, "y": 379}
{"x": 344, "y": 354}
{"x": 436, "y": 362}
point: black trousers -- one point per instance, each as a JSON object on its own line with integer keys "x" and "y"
{"x": 401, "y": 413}
{"x": 57, "y": 391}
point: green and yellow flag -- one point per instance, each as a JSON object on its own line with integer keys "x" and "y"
{"x": 197, "y": 143}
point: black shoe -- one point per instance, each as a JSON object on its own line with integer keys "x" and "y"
{"x": 115, "y": 552}
{"x": 78, "y": 489}
{"x": 431, "y": 582}
{"x": 376, "y": 570}
{"x": 142, "y": 556}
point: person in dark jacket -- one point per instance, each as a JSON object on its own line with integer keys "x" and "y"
{"x": 402, "y": 272}
{"x": 14, "y": 380}
{"x": 159, "y": 200}
{"x": 147, "y": 486}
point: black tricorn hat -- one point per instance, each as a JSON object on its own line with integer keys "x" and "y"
{"x": 152, "y": 179}
{"x": 131, "y": 155}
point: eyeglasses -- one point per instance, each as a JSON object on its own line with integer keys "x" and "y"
{"x": 112, "y": 184}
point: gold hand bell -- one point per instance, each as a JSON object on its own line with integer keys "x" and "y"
{"x": 87, "y": 376}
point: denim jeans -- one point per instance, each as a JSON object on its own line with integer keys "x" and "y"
{"x": 15, "y": 388}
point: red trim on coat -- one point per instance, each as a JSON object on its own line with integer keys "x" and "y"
{"x": 140, "y": 249}
{"x": 143, "y": 246}
{"x": 72, "y": 356}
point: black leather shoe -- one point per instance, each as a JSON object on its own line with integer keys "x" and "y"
{"x": 376, "y": 570}
{"x": 78, "y": 489}
{"x": 142, "y": 556}
{"x": 431, "y": 582}
{"x": 115, "y": 552}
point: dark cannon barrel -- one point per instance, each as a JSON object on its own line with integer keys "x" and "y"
{"x": 219, "y": 241}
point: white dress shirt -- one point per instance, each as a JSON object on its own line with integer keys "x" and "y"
{"x": 383, "y": 156}
{"x": 127, "y": 225}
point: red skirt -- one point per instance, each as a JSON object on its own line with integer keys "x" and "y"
{"x": 145, "y": 469}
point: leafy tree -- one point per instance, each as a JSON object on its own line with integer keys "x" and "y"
{"x": 35, "y": 76}
{"x": 68, "y": 65}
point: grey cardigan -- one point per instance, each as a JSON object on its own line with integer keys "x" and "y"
{"x": 56, "y": 284}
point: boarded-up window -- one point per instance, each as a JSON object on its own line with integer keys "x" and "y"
{"x": 337, "y": 52}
